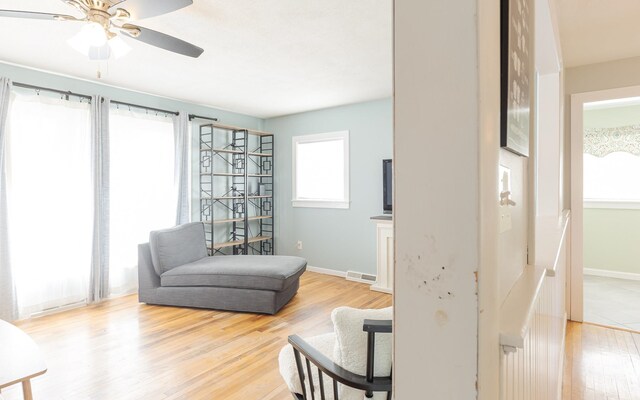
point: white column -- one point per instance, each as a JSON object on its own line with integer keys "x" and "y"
{"x": 446, "y": 112}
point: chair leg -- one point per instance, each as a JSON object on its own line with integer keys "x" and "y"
{"x": 26, "y": 390}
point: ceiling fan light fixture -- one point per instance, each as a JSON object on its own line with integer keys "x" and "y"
{"x": 130, "y": 30}
{"x": 94, "y": 42}
{"x": 119, "y": 48}
{"x": 121, "y": 14}
{"x": 99, "y": 53}
{"x": 79, "y": 43}
{"x": 115, "y": 47}
{"x": 94, "y": 34}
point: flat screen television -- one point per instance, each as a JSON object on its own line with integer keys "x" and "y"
{"x": 387, "y": 186}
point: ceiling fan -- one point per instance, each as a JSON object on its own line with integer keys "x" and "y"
{"x": 108, "y": 19}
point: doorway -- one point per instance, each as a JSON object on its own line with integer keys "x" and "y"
{"x": 605, "y": 197}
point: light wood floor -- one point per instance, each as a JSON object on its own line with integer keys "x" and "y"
{"x": 121, "y": 349}
{"x": 601, "y": 363}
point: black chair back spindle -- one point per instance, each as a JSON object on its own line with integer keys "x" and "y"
{"x": 312, "y": 389}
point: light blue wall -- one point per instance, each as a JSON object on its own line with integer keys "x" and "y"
{"x": 334, "y": 238}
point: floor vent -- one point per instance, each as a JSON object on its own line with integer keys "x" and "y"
{"x": 360, "y": 277}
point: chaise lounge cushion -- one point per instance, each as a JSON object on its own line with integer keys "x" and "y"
{"x": 242, "y": 272}
{"x": 177, "y": 246}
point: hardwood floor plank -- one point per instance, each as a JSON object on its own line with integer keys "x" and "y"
{"x": 601, "y": 363}
{"x": 121, "y": 349}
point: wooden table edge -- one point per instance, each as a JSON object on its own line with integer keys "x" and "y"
{"x": 26, "y": 378}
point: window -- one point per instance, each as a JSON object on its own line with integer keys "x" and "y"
{"x": 321, "y": 170}
{"x": 610, "y": 181}
{"x": 142, "y": 196}
{"x": 49, "y": 199}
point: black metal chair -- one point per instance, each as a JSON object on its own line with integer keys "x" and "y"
{"x": 368, "y": 383}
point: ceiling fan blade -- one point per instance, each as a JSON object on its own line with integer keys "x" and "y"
{"x": 77, "y": 4}
{"x": 164, "y": 41}
{"x": 36, "y": 15}
{"x": 140, "y": 9}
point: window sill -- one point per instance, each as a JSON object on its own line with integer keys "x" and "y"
{"x": 321, "y": 204}
{"x": 613, "y": 204}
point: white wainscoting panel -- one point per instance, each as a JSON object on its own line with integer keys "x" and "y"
{"x": 534, "y": 314}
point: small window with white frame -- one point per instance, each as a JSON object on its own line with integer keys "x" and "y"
{"x": 321, "y": 170}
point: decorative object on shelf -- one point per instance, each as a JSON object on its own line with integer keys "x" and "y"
{"x": 236, "y": 189}
{"x": 516, "y": 57}
{"x": 105, "y": 20}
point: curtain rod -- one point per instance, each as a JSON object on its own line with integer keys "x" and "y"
{"x": 46, "y": 89}
{"x": 84, "y": 96}
{"x": 122, "y": 103}
{"x": 194, "y": 116}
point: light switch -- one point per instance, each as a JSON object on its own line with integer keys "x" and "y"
{"x": 504, "y": 191}
{"x": 505, "y": 181}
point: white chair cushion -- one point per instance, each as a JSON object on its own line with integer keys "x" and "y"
{"x": 350, "y": 350}
{"x": 287, "y": 362}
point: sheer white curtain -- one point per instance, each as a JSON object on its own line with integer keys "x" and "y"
{"x": 182, "y": 141}
{"x": 99, "y": 276}
{"x": 8, "y": 305}
{"x": 49, "y": 199}
{"x": 142, "y": 190}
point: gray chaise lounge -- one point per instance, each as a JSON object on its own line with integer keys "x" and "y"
{"x": 174, "y": 269}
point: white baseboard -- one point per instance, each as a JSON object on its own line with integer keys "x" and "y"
{"x": 326, "y": 271}
{"x": 57, "y": 309}
{"x": 381, "y": 289}
{"x": 611, "y": 274}
{"x": 343, "y": 274}
{"x": 122, "y": 294}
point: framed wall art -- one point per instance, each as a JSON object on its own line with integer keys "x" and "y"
{"x": 516, "y": 59}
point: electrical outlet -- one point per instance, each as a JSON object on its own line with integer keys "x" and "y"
{"x": 299, "y": 245}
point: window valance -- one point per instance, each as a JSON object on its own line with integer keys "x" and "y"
{"x": 600, "y": 142}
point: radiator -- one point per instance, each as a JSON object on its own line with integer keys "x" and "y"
{"x": 533, "y": 342}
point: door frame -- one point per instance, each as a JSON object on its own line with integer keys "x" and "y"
{"x": 576, "y": 276}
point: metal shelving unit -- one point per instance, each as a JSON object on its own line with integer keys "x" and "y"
{"x": 236, "y": 189}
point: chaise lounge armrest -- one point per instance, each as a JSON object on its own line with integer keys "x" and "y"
{"x": 335, "y": 371}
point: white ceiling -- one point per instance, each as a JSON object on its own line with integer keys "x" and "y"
{"x": 594, "y": 31}
{"x": 262, "y": 57}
